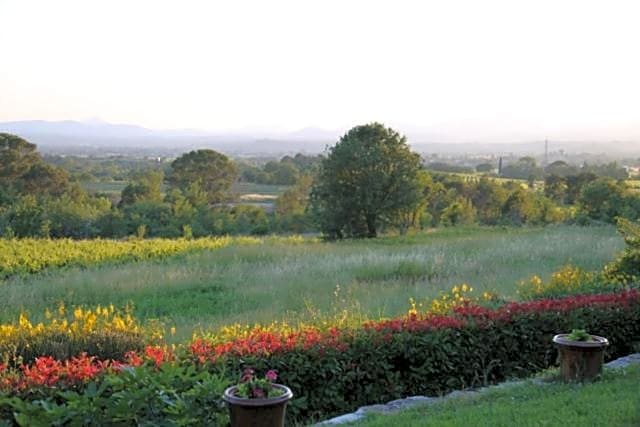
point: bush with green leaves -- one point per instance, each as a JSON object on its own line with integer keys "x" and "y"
{"x": 168, "y": 395}
{"x": 626, "y": 268}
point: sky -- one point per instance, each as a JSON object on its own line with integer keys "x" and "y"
{"x": 471, "y": 68}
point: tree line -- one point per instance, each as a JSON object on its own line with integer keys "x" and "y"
{"x": 368, "y": 183}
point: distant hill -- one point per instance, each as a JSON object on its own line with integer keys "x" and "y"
{"x": 94, "y": 136}
{"x": 75, "y": 128}
{"x": 98, "y": 137}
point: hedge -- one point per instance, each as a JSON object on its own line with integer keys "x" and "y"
{"x": 335, "y": 371}
{"x": 437, "y": 354}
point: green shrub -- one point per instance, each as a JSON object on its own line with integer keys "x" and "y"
{"x": 172, "y": 395}
{"x": 626, "y": 268}
{"x": 476, "y": 346}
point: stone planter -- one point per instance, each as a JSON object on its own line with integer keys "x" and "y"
{"x": 580, "y": 360}
{"x": 257, "y": 412}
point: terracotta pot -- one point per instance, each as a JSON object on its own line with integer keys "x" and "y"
{"x": 257, "y": 412}
{"x": 580, "y": 360}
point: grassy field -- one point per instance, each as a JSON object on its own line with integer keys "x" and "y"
{"x": 275, "y": 280}
{"x": 612, "y": 402}
{"x": 111, "y": 187}
{"x": 244, "y": 190}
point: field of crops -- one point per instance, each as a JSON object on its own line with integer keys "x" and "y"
{"x": 24, "y": 256}
{"x": 250, "y": 280}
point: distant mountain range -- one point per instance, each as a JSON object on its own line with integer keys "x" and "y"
{"x": 59, "y": 135}
{"x": 96, "y": 136}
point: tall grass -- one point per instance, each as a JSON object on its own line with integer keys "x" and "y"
{"x": 277, "y": 280}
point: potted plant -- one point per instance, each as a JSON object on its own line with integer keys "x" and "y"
{"x": 581, "y": 355}
{"x": 257, "y": 402}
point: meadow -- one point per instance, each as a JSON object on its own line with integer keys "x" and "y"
{"x": 302, "y": 279}
{"x": 239, "y": 188}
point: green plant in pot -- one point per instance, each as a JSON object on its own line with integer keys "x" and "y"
{"x": 581, "y": 355}
{"x": 257, "y": 402}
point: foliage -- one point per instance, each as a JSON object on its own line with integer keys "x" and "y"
{"x": 367, "y": 177}
{"x": 286, "y": 171}
{"x": 135, "y": 394}
{"x": 568, "y": 280}
{"x": 103, "y": 169}
{"x": 452, "y": 199}
{"x": 460, "y": 212}
{"x": 607, "y": 170}
{"x": 62, "y": 216}
{"x": 145, "y": 186}
{"x": 459, "y": 295}
{"x": 579, "y": 335}
{"x": 626, "y": 268}
{"x": 488, "y": 197}
{"x": 20, "y": 256}
{"x": 524, "y": 168}
{"x": 604, "y": 200}
{"x": 485, "y": 167}
{"x": 214, "y": 172}
{"x": 103, "y": 332}
{"x": 291, "y": 211}
{"x": 22, "y": 169}
{"x": 17, "y": 156}
{"x": 555, "y": 188}
{"x": 560, "y": 168}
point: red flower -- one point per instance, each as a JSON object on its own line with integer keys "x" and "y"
{"x": 132, "y": 358}
{"x": 82, "y": 368}
{"x": 159, "y": 355}
{"x": 45, "y": 371}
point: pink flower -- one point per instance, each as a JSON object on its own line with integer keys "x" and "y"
{"x": 271, "y": 375}
{"x": 258, "y": 393}
{"x": 247, "y": 375}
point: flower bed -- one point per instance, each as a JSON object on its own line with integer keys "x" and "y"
{"x": 104, "y": 332}
{"x": 330, "y": 371}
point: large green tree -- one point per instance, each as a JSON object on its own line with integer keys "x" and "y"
{"x": 212, "y": 171}
{"x": 366, "y": 179}
{"x": 17, "y": 156}
{"x": 23, "y": 171}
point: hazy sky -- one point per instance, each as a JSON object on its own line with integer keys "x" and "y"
{"x": 514, "y": 65}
